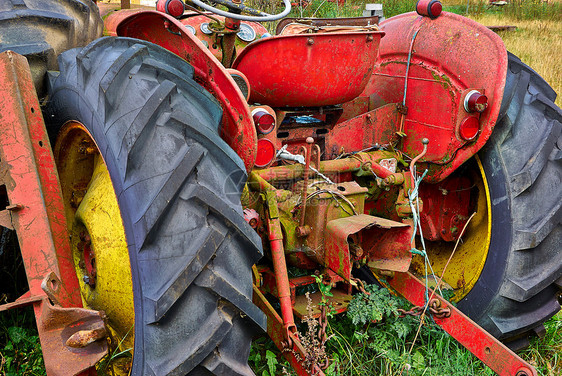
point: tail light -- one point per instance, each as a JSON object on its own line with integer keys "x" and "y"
{"x": 174, "y": 8}
{"x": 266, "y": 152}
{"x": 429, "y": 8}
{"x": 475, "y": 102}
{"x": 469, "y": 128}
{"x": 264, "y": 121}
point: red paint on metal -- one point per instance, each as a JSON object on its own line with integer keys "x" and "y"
{"x": 309, "y": 70}
{"x": 196, "y": 20}
{"x": 429, "y": 8}
{"x": 360, "y": 132}
{"x": 113, "y": 17}
{"x": 29, "y": 174}
{"x": 385, "y": 243}
{"x": 451, "y": 54}
{"x": 483, "y": 345}
{"x": 447, "y": 206}
{"x": 237, "y": 128}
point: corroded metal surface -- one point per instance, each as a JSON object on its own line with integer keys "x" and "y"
{"x": 384, "y": 243}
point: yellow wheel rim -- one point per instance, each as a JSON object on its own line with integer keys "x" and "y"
{"x": 98, "y": 239}
{"x": 467, "y": 263}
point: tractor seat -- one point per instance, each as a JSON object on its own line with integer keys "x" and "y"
{"x": 309, "y": 69}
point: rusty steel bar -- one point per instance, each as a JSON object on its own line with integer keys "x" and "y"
{"x": 35, "y": 209}
{"x": 275, "y": 235}
{"x": 296, "y": 353}
{"x": 343, "y": 165}
{"x": 483, "y": 345}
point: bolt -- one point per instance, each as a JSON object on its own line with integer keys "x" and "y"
{"x": 86, "y": 279}
{"x": 310, "y": 41}
{"x": 369, "y": 38}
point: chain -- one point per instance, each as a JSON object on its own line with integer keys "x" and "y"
{"x": 360, "y": 285}
{"x": 434, "y": 306}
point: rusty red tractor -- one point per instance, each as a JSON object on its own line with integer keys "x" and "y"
{"x": 165, "y": 179}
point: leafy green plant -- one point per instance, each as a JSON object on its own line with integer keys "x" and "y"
{"x": 20, "y": 351}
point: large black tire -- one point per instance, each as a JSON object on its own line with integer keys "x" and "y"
{"x": 191, "y": 251}
{"x": 42, "y": 29}
{"x": 517, "y": 289}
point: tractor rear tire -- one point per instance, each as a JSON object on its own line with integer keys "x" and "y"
{"x": 42, "y": 29}
{"x": 520, "y": 283}
{"x": 190, "y": 250}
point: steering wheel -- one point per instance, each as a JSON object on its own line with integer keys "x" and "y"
{"x": 258, "y": 15}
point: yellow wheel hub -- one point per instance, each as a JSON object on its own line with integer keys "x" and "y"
{"x": 98, "y": 240}
{"x": 467, "y": 263}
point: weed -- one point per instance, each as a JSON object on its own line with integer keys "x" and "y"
{"x": 20, "y": 351}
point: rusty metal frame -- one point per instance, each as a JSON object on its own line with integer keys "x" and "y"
{"x": 36, "y": 212}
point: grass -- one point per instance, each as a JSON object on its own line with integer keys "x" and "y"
{"x": 20, "y": 351}
{"x": 370, "y": 339}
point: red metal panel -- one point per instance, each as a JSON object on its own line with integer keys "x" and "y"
{"x": 386, "y": 243}
{"x": 483, "y": 345}
{"x": 309, "y": 70}
{"x": 237, "y": 127}
{"x": 450, "y": 56}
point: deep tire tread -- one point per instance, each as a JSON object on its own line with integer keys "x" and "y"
{"x": 526, "y": 207}
{"x": 191, "y": 248}
{"x": 41, "y": 30}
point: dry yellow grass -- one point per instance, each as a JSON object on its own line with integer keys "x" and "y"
{"x": 537, "y": 43}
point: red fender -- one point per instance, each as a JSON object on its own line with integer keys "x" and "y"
{"x": 451, "y": 56}
{"x": 237, "y": 127}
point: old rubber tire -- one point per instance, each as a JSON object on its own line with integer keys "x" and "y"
{"x": 190, "y": 250}
{"x": 517, "y": 289}
{"x": 42, "y": 29}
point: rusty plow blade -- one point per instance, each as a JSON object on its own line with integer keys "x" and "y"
{"x": 73, "y": 339}
{"x": 382, "y": 243}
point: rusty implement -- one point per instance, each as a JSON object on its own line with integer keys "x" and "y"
{"x": 35, "y": 211}
{"x": 71, "y": 338}
{"x": 385, "y": 244}
{"x": 483, "y": 345}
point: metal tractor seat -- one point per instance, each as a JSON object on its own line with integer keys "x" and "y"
{"x": 311, "y": 68}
